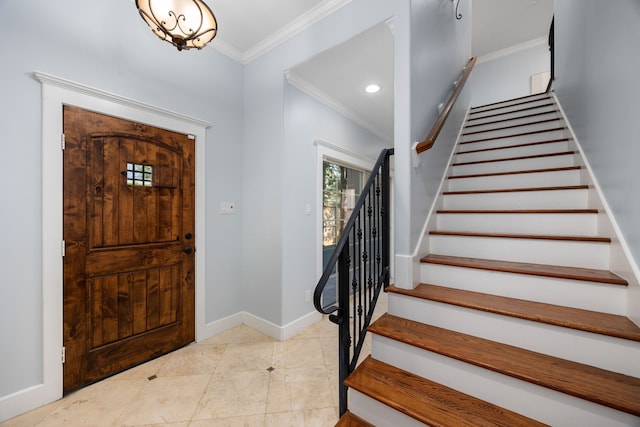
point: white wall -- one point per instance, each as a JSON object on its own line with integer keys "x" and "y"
{"x": 507, "y": 74}
{"x": 115, "y": 52}
{"x": 597, "y": 59}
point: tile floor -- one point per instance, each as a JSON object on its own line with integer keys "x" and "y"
{"x": 240, "y": 378}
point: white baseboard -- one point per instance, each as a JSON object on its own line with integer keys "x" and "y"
{"x": 214, "y": 328}
{"x": 281, "y": 333}
{"x": 26, "y": 400}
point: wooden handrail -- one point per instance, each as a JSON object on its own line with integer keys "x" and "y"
{"x": 442, "y": 118}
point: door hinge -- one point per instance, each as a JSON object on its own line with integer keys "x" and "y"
{"x": 63, "y": 248}
{"x": 63, "y": 354}
{"x": 63, "y": 142}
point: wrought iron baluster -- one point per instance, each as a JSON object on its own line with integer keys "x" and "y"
{"x": 362, "y": 256}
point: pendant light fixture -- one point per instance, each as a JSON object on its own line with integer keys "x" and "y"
{"x": 183, "y": 23}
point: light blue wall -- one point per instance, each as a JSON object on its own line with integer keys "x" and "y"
{"x": 270, "y": 252}
{"x": 249, "y": 157}
{"x": 597, "y": 63}
{"x": 306, "y": 120}
{"x": 105, "y": 45}
{"x": 439, "y": 49}
{"x": 509, "y": 76}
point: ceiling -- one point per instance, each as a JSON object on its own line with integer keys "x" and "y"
{"x": 248, "y": 28}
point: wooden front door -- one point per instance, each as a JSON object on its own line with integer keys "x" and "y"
{"x": 129, "y": 291}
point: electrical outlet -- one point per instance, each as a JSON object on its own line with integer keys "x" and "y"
{"x": 307, "y": 295}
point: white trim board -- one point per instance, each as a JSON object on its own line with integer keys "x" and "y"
{"x": 296, "y": 26}
{"x": 57, "y": 92}
{"x": 621, "y": 260}
{"x": 540, "y": 41}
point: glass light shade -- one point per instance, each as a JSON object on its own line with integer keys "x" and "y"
{"x": 183, "y": 23}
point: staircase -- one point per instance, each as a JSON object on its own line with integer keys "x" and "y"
{"x": 518, "y": 320}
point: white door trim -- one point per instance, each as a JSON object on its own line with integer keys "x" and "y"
{"x": 57, "y": 92}
{"x": 327, "y": 150}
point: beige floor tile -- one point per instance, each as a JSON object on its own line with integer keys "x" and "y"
{"x": 97, "y": 405}
{"x": 221, "y": 382}
{"x": 249, "y": 421}
{"x": 31, "y": 418}
{"x": 234, "y": 393}
{"x": 143, "y": 371}
{"x": 195, "y": 359}
{"x": 324, "y": 417}
{"x": 245, "y": 357}
{"x": 284, "y": 419}
{"x": 309, "y": 388}
{"x": 279, "y": 395}
{"x": 237, "y": 335}
{"x": 165, "y": 400}
{"x": 298, "y": 353}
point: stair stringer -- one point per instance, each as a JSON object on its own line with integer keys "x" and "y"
{"x": 621, "y": 261}
{"x": 407, "y": 267}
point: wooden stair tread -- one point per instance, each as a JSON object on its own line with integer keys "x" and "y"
{"x": 508, "y": 147}
{"x": 509, "y": 100}
{"x": 515, "y": 190}
{"x": 597, "y": 385}
{"x": 497, "y": 107}
{"x": 519, "y": 172}
{"x": 509, "y": 112}
{"x": 517, "y": 211}
{"x": 350, "y": 420}
{"x": 611, "y": 325}
{"x": 526, "y": 116}
{"x": 514, "y": 135}
{"x": 561, "y": 272}
{"x": 427, "y": 401}
{"x": 538, "y": 122}
{"x": 508, "y": 159}
{"x": 522, "y": 236}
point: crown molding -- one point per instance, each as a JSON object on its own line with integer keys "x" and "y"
{"x": 513, "y": 49}
{"x": 296, "y": 26}
{"x": 316, "y": 93}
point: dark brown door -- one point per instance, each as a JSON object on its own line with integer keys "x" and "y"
{"x": 129, "y": 234}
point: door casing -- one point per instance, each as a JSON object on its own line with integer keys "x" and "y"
{"x": 57, "y": 92}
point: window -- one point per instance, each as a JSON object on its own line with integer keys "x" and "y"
{"x": 139, "y": 175}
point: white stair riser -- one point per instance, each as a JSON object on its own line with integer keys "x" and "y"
{"x": 544, "y": 199}
{"x": 488, "y": 117}
{"x": 497, "y": 131}
{"x": 544, "y": 405}
{"x": 602, "y": 351}
{"x": 512, "y": 138}
{"x": 510, "y": 106}
{"x": 515, "y": 165}
{"x": 537, "y": 251}
{"x": 464, "y": 148}
{"x": 526, "y": 150}
{"x": 378, "y": 413}
{"x": 511, "y": 102}
{"x": 538, "y": 224}
{"x": 470, "y": 127}
{"x": 559, "y": 178}
{"x": 592, "y": 296}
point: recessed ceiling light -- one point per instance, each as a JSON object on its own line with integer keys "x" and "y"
{"x": 372, "y": 88}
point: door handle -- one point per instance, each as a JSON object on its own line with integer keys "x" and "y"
{"x": 188, "y": 250}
